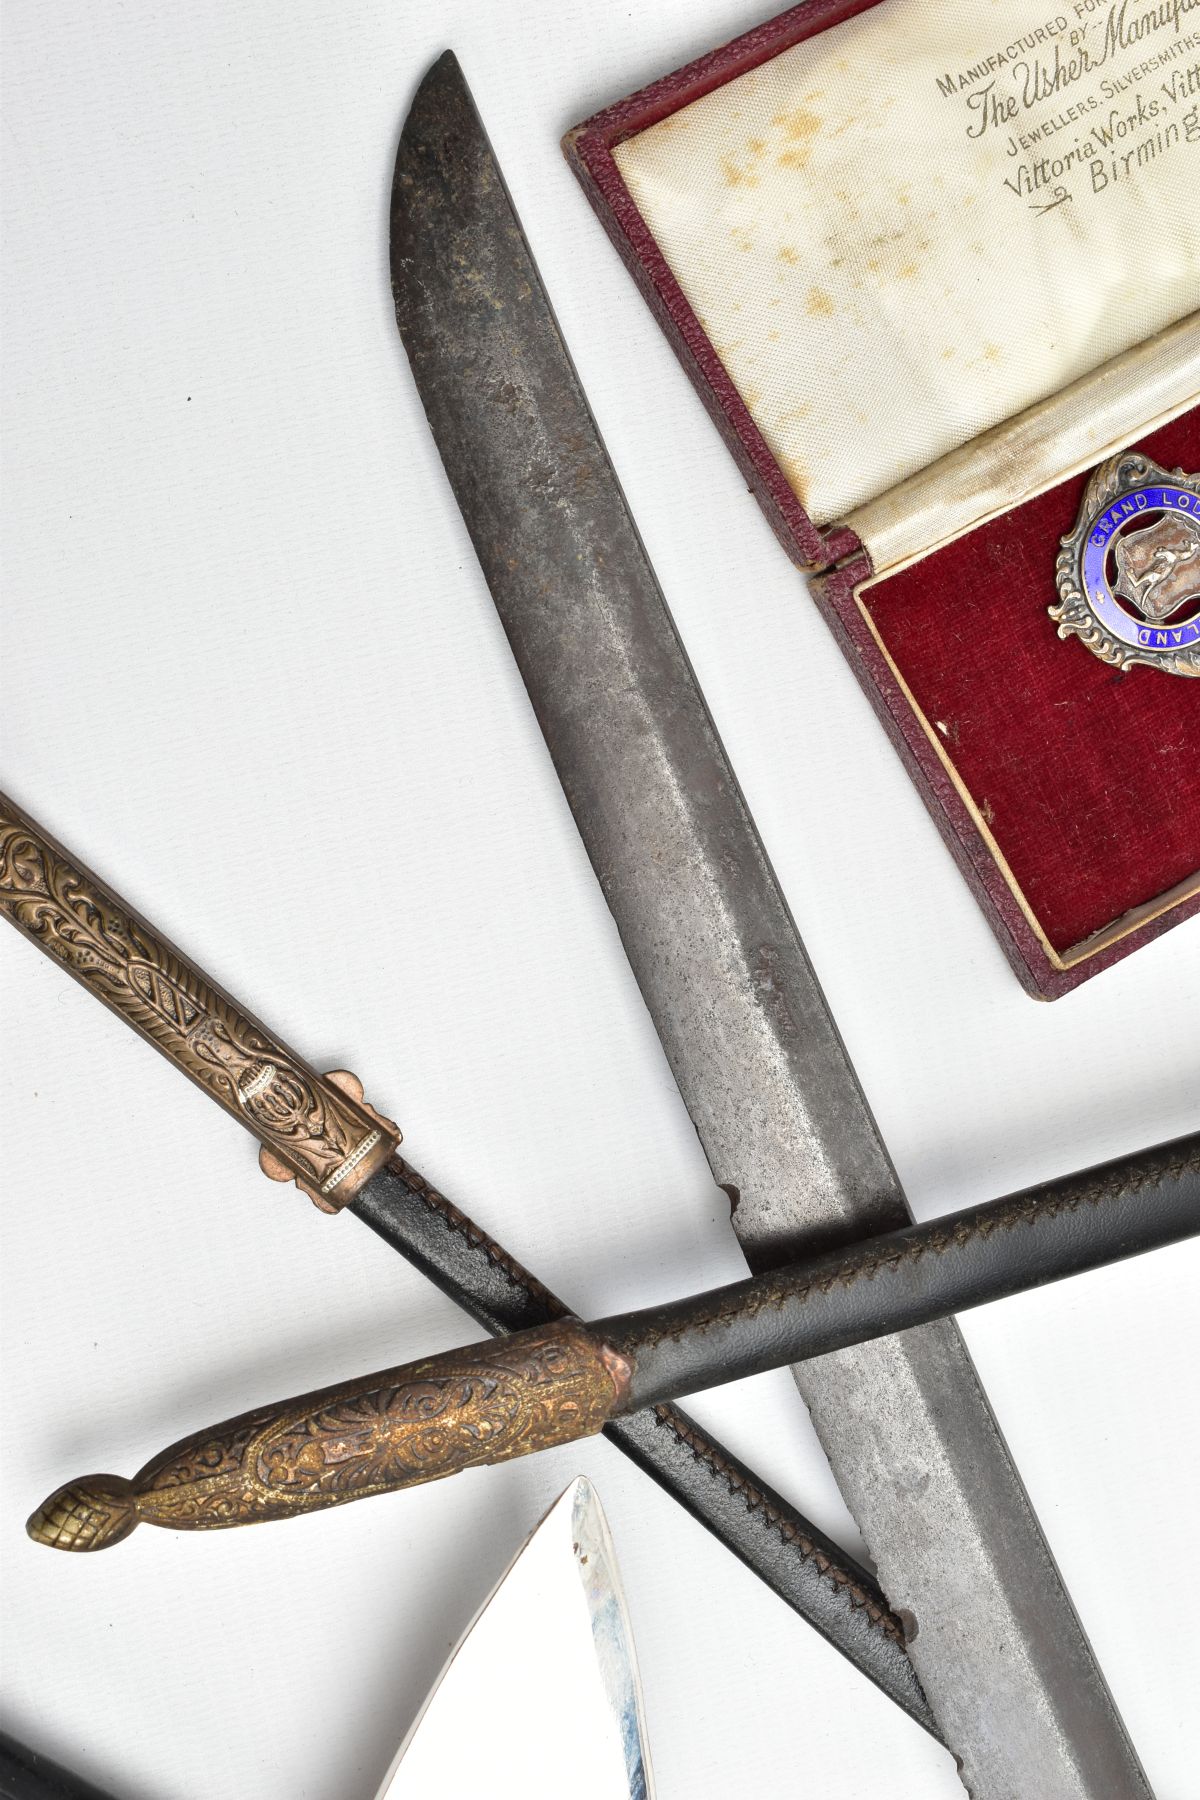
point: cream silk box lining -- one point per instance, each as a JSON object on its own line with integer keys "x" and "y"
{"x": 1096, "y": 416}
{"x": 869, "y": 230}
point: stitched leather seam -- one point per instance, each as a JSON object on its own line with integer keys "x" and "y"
{"x": 788, "y": 1528}
{"x": 1023, "y": 1209}
{"x": 458, "y": 1221}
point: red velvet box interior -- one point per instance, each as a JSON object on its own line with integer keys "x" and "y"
{"x": 1086, "y": 777}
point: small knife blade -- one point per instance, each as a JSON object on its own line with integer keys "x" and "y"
{"x": 541, "y": 1695}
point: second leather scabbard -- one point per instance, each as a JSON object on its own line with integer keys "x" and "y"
{"x": 805, "y": 1568}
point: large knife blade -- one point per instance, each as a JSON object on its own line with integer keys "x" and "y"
{"x": 779, "y": 1111}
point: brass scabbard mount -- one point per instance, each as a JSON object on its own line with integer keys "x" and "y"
{"x": 360, "y": 1162}
{"x": 484, "y": 1404}
{"x": 315, "y": 1129}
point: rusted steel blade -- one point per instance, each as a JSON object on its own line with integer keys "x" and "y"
{"x": 779, "y": 1111}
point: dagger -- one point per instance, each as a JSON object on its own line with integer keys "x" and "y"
{"x": 319, "y": 1131}
{"x": 775, "y": 1101}
{"x": 399, "y": 1428}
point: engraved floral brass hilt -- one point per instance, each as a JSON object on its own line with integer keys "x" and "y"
{"x": 485, "y": 1404}
{"x": 314, "y": 1129}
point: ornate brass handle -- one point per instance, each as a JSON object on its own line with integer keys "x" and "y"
{"x": 315, "y": 1129}
{"x": 429, "y": 1419}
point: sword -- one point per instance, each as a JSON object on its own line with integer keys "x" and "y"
{"x": 775, "y": 1101}
{"x": 467, "y": 1408}
{"x": 317, "y": 1130}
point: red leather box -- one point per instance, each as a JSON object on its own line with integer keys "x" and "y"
{"x": 929, "y": 267}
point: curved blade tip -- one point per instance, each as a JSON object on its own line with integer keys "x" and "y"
{"x": 442, "y": 81}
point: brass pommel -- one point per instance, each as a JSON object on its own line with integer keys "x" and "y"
{"x": 89, "y": 1514}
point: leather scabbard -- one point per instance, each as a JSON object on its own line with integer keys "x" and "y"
{"x": 879, "y": 1286}
{"x": 817, "y": 1579}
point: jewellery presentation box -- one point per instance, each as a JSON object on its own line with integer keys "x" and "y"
{"x": 928, "y": 267}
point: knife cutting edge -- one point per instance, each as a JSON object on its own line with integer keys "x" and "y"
{"x": 912, "y": 1440}
{"x": 312, "y": 1126}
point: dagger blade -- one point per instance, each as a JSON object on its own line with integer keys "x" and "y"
{"x": 786, "y": 1128}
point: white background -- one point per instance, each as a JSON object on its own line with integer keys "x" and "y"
{"x": 252, "y": 674}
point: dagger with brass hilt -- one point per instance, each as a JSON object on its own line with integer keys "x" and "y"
{"x": 319, "y": 1131}
{"x": 488, "y": 1403}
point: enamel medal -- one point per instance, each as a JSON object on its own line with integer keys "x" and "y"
{"x": 1129, "y": 573}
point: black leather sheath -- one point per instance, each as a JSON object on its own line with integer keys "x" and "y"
{"x": 881, "y": 1285}
{"x": 819, "y": 1581}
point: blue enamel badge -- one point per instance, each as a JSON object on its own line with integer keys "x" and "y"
{"x": 1129, "y": 573}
